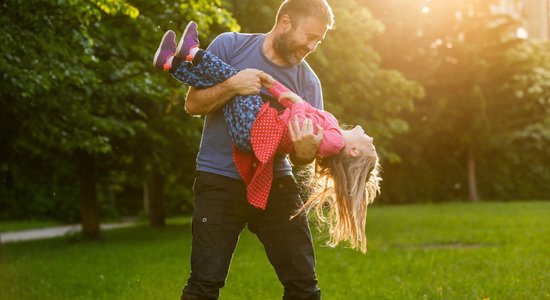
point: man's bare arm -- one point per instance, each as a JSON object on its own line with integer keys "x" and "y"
{"x": 205, "y": 101}
{"x": 208, "y": 100}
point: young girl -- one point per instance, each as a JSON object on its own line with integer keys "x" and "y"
{"x": 346, "y": 164}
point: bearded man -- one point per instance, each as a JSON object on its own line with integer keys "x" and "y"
{"x": 221, "y": 210}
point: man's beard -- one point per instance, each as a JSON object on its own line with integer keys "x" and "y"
{"x": 283, "y": 46}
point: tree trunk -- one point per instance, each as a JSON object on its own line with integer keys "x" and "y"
{"x": 156, "y": 200}
{"x": 472, "y": 182}
{"x": 89, "y": 207}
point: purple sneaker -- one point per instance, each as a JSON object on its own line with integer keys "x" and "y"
{"x": 166, "y": 49}
{"x": 189, "y": 39}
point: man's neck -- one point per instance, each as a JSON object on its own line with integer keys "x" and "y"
{"x": 269, "y": 51}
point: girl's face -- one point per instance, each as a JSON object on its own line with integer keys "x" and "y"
{"x": 358, "y": 142}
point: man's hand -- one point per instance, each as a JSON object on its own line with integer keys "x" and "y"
{"x": 247, "y": 82}
{"x": 205, "y": 101}
{"x": 305, "y": 142}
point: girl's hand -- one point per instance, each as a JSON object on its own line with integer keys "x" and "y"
{"x": 291, "y": 96}
{"x": 267, "y": 80}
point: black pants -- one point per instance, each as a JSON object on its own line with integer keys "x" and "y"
{"x": 222, "y": 211}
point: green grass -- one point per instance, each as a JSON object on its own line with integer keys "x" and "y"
{"x": 448, "y": 251}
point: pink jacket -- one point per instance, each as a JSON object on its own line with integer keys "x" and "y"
{"x": 333, "y": 141}
{"x": 270, "y": 135}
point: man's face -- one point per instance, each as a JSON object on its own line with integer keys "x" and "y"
{"x": 302, "y": 38}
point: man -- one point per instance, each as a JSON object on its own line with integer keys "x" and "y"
{"x": 221, "y": 208}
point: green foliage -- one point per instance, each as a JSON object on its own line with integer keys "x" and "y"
{"x": 357, "y": 90}
{"x": 485, "y": 91}
{"x": 77, "y": 76}
{"x": 30, "y": 190}
{"x": 248, "y": 12}
{"x": 447, "y": 251}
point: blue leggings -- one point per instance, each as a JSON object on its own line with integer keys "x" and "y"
{"x": 239, "y": 113}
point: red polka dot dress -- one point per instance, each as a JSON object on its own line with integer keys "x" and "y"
{"x": 270, "y": 136}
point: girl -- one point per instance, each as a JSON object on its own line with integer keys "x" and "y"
{"x": 346, "y": 165}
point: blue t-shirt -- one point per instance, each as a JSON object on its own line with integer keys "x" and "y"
{"x": 243, "y": 51}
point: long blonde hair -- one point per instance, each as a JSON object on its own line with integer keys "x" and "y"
{"x": 346, "y": 185}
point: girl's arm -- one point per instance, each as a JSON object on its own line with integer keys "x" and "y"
{"x": 278, "y": 90}
{"x": 305, "y": 141}
{"x": 288, "y": 99}
{"x": 333, "y": 140}
{"x": 325, "y": 122}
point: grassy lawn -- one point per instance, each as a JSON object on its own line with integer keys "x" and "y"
{"x": 448, "y": 251}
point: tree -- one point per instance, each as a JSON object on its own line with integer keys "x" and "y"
{"x": 76, "y": 86}
{"x": 47, "y": 68}
{"x": 355, "y": 87}
{"x": 475, "y": 73}
{"x": 170, "y": 137}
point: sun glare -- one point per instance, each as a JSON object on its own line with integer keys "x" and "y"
{"x": 425, "y": 9}
{"x": 522, "y": 33}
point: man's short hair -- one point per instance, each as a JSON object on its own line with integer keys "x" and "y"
{"x": 300, "y": 9}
